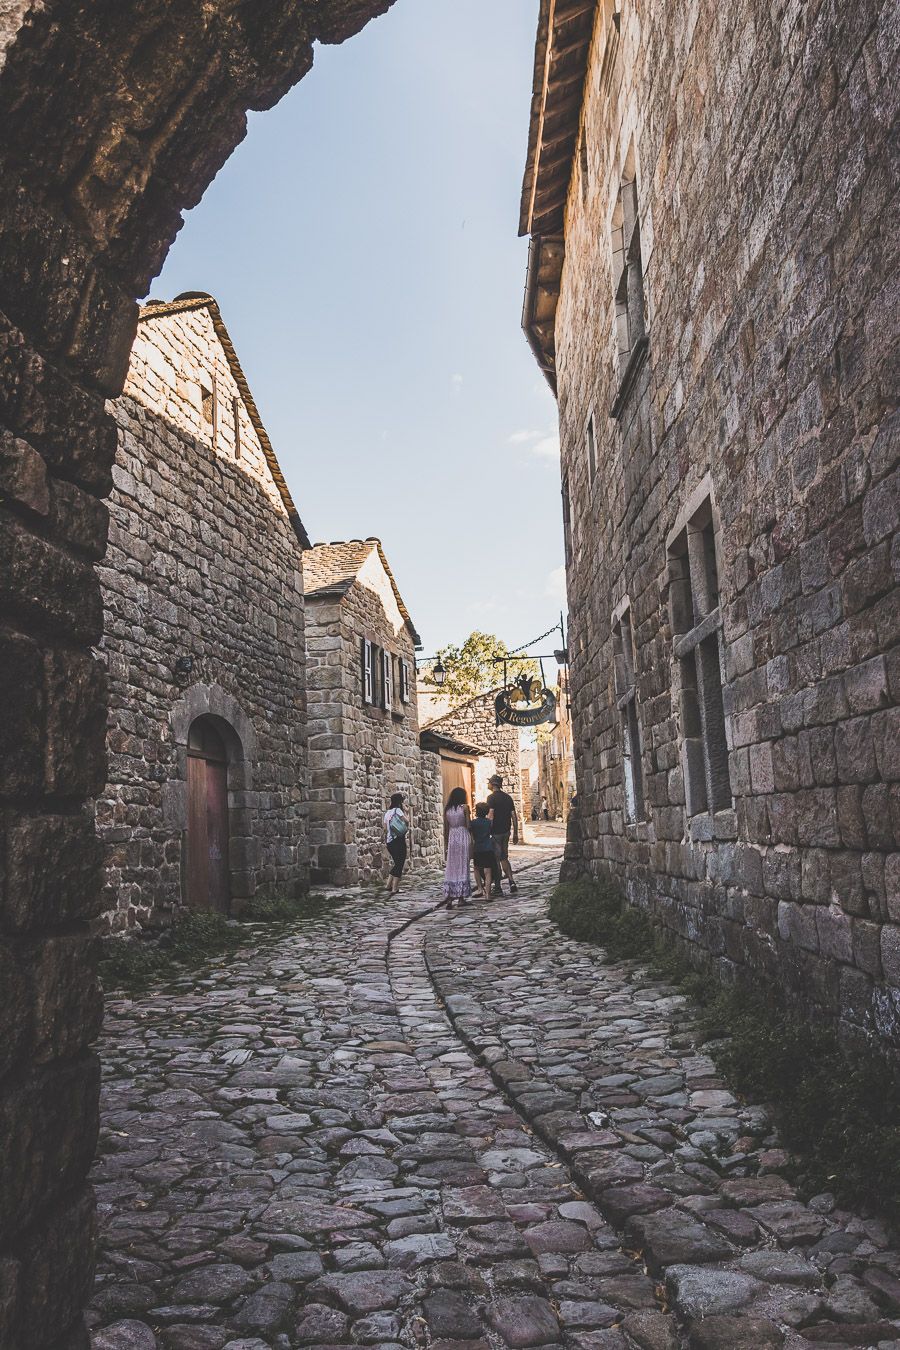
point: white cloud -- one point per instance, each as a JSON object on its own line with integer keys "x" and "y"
{"x": 555, "y": 585}
{"x": 456, "y": 381}
{"x": 542, "y": 444}
{"x": 547, "y": 447}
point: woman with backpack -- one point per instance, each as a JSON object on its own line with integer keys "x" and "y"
{"x": 396, "y": 829}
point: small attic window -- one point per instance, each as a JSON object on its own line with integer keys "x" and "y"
{"x": 236, "y": 419}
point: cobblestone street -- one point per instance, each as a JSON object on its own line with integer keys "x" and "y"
{"x": 398, "y": 1127}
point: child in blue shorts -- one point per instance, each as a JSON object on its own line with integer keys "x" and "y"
{"x": 484, "y": 856}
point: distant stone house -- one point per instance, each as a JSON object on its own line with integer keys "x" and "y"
{"x": 363, "y": 718}
{"x": 472, "y": 746}
{"x": 204, "y": 643}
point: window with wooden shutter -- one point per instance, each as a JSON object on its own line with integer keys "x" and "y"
{"x": 387, "y": 681}
{"x": 368, "y": 672}
{"x": 404, "y": 681}
{"x": 626, "y": 702}
{"x": 697, "y": 630}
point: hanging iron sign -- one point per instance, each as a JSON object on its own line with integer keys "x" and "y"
{"x": 525, "y": 703}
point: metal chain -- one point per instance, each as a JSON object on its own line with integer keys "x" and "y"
{"x": 539, "y": 638}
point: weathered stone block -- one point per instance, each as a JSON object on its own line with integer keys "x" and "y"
{"x": 22, "y": 723}
{"x": 53, "y": 871}
{"x": 45, "y": 585}
{"x": 23, "y": 474}
{"x": 68, "y": 1005}
{"x": 76, "y": 723}
{"x": 57, "y": 1272}
{"x": 49, "y": 1122}
{"x": 890, "y": 953}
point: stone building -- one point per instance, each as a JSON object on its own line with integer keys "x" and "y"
{"x": 556, "y": 757}
{"x": 472, "y": 746}
{"x": 708, "y": 193}
{"x": 204, "y": 646}
{"x": 90, "y": 201}
{"x": 363, "y": 717}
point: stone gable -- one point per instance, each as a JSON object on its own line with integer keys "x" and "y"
{"x": 203, "y": 565}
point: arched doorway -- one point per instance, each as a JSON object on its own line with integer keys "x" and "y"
{"x": 207, "y": 878}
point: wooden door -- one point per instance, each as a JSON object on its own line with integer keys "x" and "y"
{"x": 457, "y": 773}
{"x": 207, "y": 835}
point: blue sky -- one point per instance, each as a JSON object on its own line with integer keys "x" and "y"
{"x": 362, "y": 244}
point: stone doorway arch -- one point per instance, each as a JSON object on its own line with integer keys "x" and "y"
{"x": 208, "y": 714}
{"x": 115, "y": 118}
{"x": 207, "y": 876}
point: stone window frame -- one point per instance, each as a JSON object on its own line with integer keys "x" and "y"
{"x": 567, "y": 521}
{"x": 625, "y": 686}
{"x": 694, "y": 569}
{"x": 590, "y": 444}
{"x": 236, "y": 424}
{"x": 209, "y": 405}
{"x": 368, "y": 671}
{"x": 583, "y": 166}
{"x": 631, "y": 319}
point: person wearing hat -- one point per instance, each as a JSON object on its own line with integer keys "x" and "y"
{"x": 504, "y": 819}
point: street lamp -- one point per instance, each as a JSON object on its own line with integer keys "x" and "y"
{"x": 438, "y": 673}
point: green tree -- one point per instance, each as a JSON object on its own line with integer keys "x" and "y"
{"x": 470, "y": 670}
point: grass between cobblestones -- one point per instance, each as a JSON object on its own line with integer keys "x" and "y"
{"x": 135, "y": 964}
{"x": 840, "y": 1117}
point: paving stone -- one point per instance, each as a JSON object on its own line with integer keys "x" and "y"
{"x": 213, "y": 1284}
{"x": 377, "y": 1329}
{"x": 307, "y": 1216}
{"x": 792, "y": 1223}
{"x": 295, "y": 1266}
{"x": 363, "y": 1292}
{"x": 557, "y": 1235}
{"x": 671, "y": 1237}
{"x": 651, "y": 1330}
{"x": 317, "y": 1323}
{"x": 589, "y": 1313}
{"x": 125, "y": 1335}
{"x": 523, "y": 1320}
{"x": 701, "y": 1291}
{"x": 449, "y": 1315}
{"x": 473, "y": 1204}
{"x": 735, "y": 1333}
{"x": 187, "y": 1337}
{"x": 780, "y": 1268}
{"x": 620, "y": 1202}
{"x": 418, "y": 1249}
{"x": 267, "y": 1308}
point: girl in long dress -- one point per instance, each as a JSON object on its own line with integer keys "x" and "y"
{"x": 457, "y": 883}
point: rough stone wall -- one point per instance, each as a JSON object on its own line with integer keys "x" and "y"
{"x": 202, "y": 562}
{"x": 361, "y": 753}
{"x": 476, "y": 723}
{"x": 768, "y": 228}
{"x": 114, "y": 121}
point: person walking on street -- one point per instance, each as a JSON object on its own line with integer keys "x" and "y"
{"x": 396, "y": 830}
{"x": 504, "y": 818}
{"x": 484, "y": 859}
{"x": 457, "y": 882}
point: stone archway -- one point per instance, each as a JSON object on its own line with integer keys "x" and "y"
{"x": 214, "y": 706}
{"x": 116, "y": 116}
